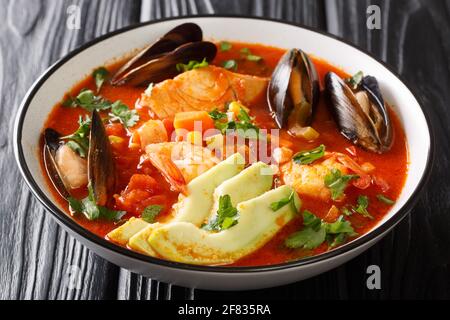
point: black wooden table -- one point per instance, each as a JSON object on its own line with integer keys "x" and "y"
{"x": 37, "y": 257}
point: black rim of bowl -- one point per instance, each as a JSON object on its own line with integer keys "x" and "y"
{"x": 68, "y": 222}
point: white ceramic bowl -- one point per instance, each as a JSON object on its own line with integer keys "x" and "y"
{"x": 60, "y": 77}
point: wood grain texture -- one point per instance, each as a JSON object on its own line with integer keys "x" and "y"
{"x": 36, "y": 255}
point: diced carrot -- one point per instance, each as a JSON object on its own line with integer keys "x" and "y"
{"x": 187, "y": 120}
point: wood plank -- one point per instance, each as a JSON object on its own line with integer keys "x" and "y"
{"x": 36, "y": 254}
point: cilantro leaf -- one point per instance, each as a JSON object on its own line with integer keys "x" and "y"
{"x": 121, "y": 112}
{"x": 363, "y": 203}
{"x": 100, "y": 76}
{"x": 307, "y": 238}
{"x": 230, "y": 64}
{"x": 337, "y": 182}
{"x": 316, "y": 231}
{"x": 217, "y": 115}
{"x": 79, "y": 140}
{"x": 226, "y": 217}
{"x": 87, "y": 100}
{"x": 385, "y": 199}
{"x": 309, "y": 156}
{"x": 191, "y": 65}
{"x": 91, "y": 210}
{"x": 150, "y": 212}
{"x": 225, "y": 46}
{"x": 243, "y": 127}
{"x": 277, "y": 205}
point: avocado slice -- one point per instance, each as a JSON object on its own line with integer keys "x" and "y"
{"x": 248, "y": 184}
{"x": 196, "y": 207}
{"x": 122, "y": 234}
{"x": 257, "y": 224}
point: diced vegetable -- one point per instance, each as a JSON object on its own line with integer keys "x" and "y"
{"x": 193, "y": 121}
{"x": 194, "y": 137}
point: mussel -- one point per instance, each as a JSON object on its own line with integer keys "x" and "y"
{"x": 101, "y": 168}
{"x": 164, "y": 67}
{"x": 293, "y": 91}
{"x": 360, "y": 111}
{"x": 68, "y": 171}
{"x": 157, "y": 62}
{"x": 184, "y": 33}
{"x": 52, "y": 143}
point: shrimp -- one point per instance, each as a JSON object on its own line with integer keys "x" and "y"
{"x": 180, "y": 162}
{"x": 201, "y": 89}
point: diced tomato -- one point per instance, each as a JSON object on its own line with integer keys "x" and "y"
{"x": 115, "y": 129}
{"x": 144, "y": 182}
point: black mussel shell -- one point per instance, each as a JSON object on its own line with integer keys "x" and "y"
{"x": 101, "y": 168}
{"x": 51, "y": 145}
{"x": 163, "y": 68}
{"x": 294, "y": 89}
{"x": 361, "y": 114}
{"x": 182, "y": 34}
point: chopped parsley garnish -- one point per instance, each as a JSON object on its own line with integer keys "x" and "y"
{"x": 309, "y": 156}
{"x": 385, "y": 199}
{"x": 249, "y": 56}
{"x": 363, "y": 203}
{"x": 336, "y": 182}
{"x": 79, "y": 140}
{"x": 150, "y": 212}
{"x": 243, "y": 126}
{"x": 90, "y": 102}
{"x": 226, "y": 217}
{"x": 91, "y": 210}
{"x": 277, "y": 205}
{"x": 121, "y": 112}
{"x": 230, "y": 64}
{"x": 217, "y": 115}
{"x": 191, "y": 65}
{"x": 87, "y": 100}
{"x": 355, "y": 80}
{"x": 316, "y": 231}
{"x": 100, "y": 76}
{"x": 225, "y": 46}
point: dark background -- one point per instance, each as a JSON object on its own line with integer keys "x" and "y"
{"x": 35, "y": 254}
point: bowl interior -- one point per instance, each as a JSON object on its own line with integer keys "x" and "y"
{"x": 51, "y": 88}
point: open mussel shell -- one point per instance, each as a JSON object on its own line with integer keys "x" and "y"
{"x": 101, "y": 168}
{"x": 51, "y": 146}
{"x": 182, "y": 34}
{"x": 293, "y": 91}
{"x": 164, "y": 67}
{"x": 360, "y": 113}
